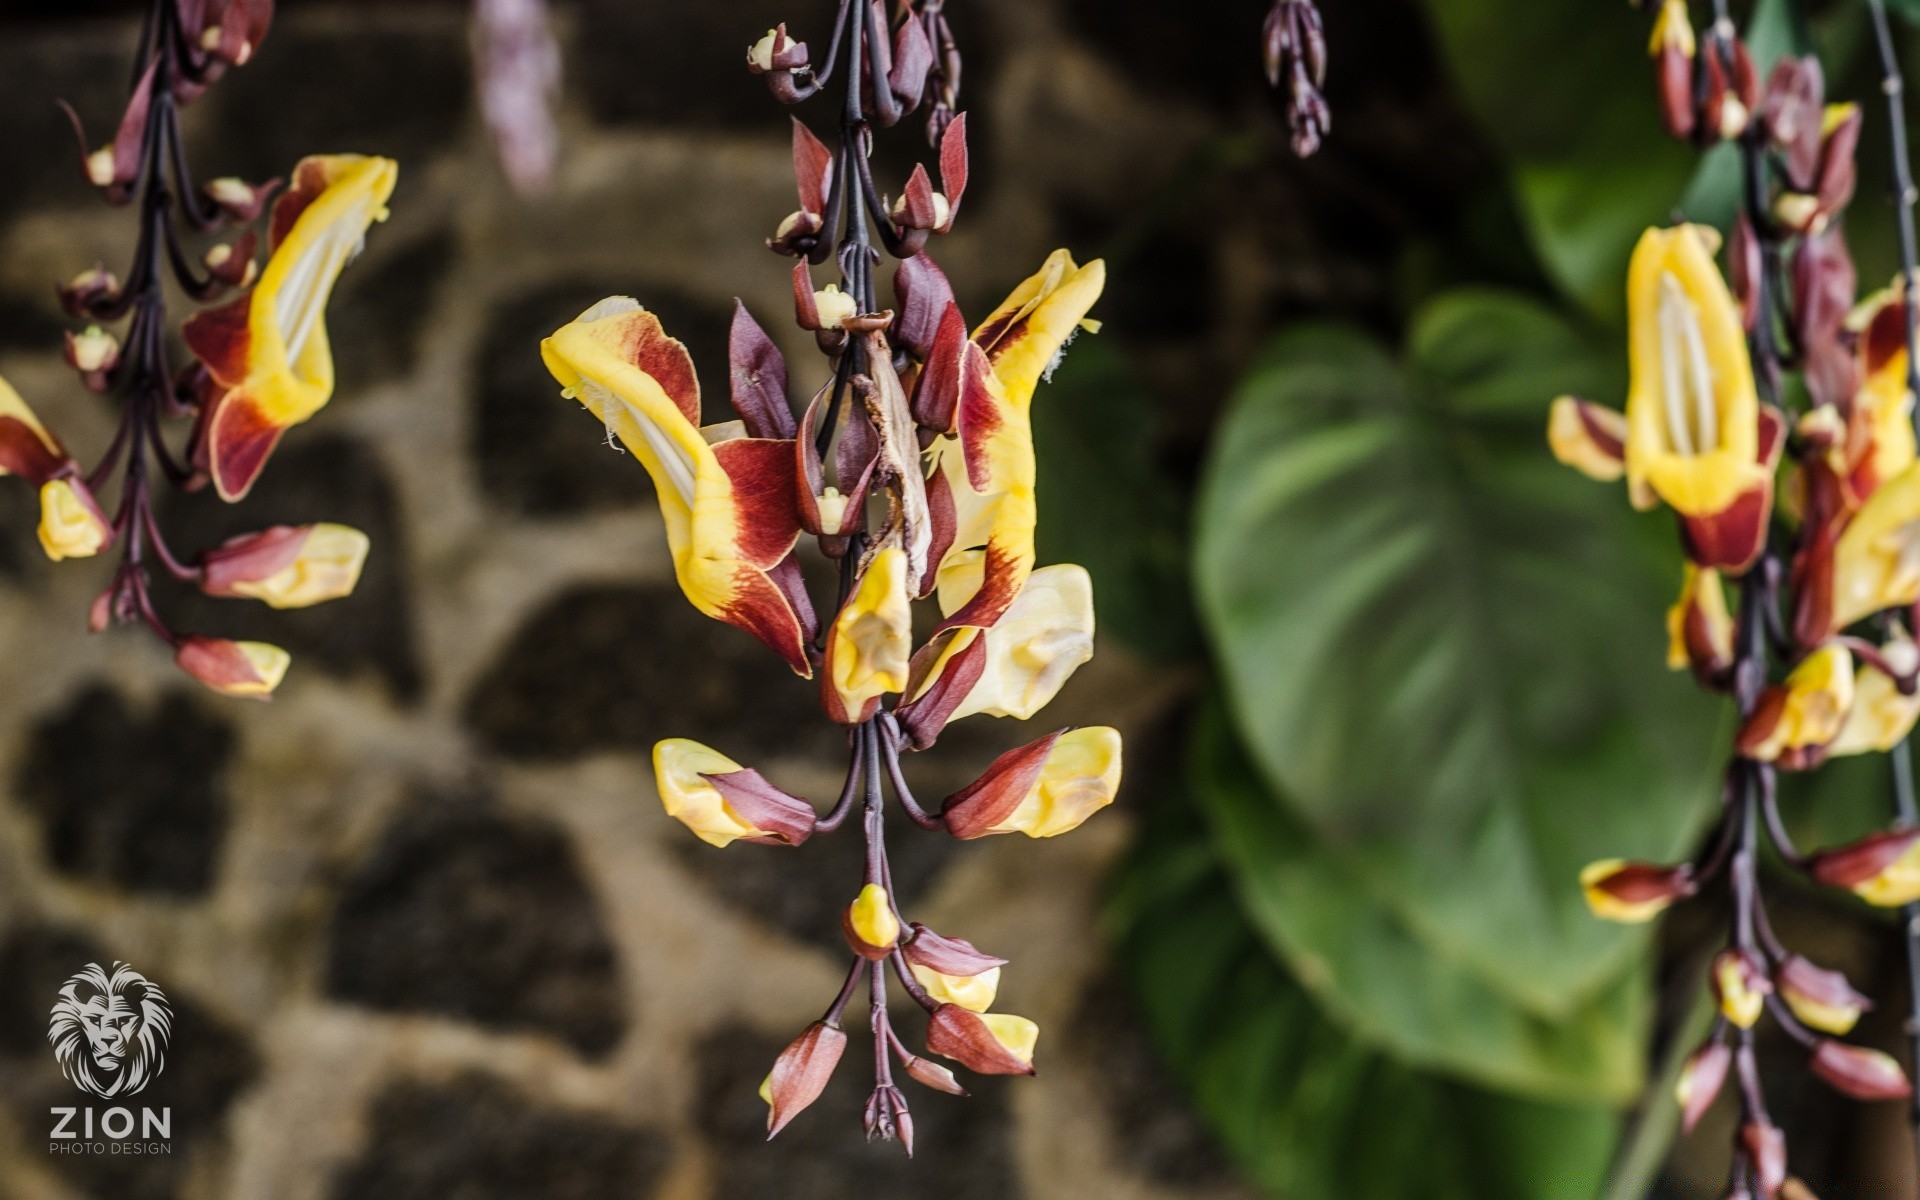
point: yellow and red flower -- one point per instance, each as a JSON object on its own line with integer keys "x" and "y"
{"x": 728, "y": 500}
{"x": 267, "y": 352}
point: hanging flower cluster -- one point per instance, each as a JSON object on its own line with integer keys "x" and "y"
{"x": 263, "y": 361}
{"x": 1295, "y": 45}
{"x": 1817, "y": 652}
{"x": 913, "y": 469}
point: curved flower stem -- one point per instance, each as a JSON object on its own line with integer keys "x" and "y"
{"x": 1894, "y": 87}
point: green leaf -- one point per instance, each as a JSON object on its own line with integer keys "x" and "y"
{"x": 1373, "y": 973}
{"x": 1444, "y": 650}
{"x": 1566, "y": 93}
{"x": 1105, "y": 502}
{"x": 1307, "y": 1111}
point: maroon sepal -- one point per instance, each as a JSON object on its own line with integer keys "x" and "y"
{"x": 946, "y": 955}
{"x": 758, "y": 374}
{"x": 1643, "y": 882}
{"x": 936, "y": 393}
{"x": 787, "y": 819}
{"x": 801, "y": 1073}
{"x": 22, "y": 453}
{"x": 1673, "y": 81}
{"x": 1702, "y": 1079}
{"x": 1853, "y": 864}
{"x": 233, "y": 270}
{"x": 924, "y": 295}
{"x": 250, "y": 558}
{"x": 805, "y": 313}
{"x": 923, "y": 717}
{"x": 1794, "y": 109}
{"x": 974, "y": 810}
{"x": 855, "y": 458}
{"x": 1744, "y": 267}
{"x": 912, "y": 60}
{"x": 129, "y": 140}
{"x": 787, "y": 577}
{"x": 1824, "y": 283}
{"x": 1730, "y": 540}
{"x": 954, "y": 1032}
{"x": 953, "y": 167}
{"x": 1838, "y": 171}
{"x": 944, "y": 519}
{"x": 1860, "y": 1073}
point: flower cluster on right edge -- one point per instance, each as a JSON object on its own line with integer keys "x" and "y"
{"x": 1824, "y": 556}
{"x": 912, "y": 467}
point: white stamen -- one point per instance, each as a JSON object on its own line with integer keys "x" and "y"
{"x": 1706, "y": 417}
{"x": 1672, "y": 301}
{"x": 674, "y": 461}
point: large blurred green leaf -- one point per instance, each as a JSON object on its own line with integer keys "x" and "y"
{"x": 1106, "y": 503}
{"x": 1445, "y": 650}
{"x": 1309, "y": 1112}
{"x": 1368, "y": 969}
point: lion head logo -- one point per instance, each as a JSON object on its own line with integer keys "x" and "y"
{"x": 110, "y": 1030}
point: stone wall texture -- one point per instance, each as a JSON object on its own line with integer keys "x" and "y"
{"x": 427, "y": 931}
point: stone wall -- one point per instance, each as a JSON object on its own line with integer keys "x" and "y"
{"x": 426, "y": 928}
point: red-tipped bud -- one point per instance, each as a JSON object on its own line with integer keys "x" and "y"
{"x": 84, "y": 294}
{"x": 249, "y": 670}
{"x": 925, "y": 295}
{"x": 801, "y": 1073}
{"x": 1882, "y": 869}
{"x": 952, "y": 971}
{"x": 985, "y": 1043}
{"x": 1042, "y": 789}
{"x": 1632, "y": 892}
{"x": 1821, "y": 998}
{"x": 1767, "y": 1150}
{"x": 1700, "y": 1082}
{"x": 287, "y": 566}
{"x": 1858, "y": 1072}
{"x": 757, "y": 373}
{"x": 782, "y": 818}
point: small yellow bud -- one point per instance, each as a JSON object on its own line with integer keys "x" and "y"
{"x": 871, "y": 917}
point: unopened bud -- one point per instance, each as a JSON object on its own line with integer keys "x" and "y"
{"x": 1633, "y": 892}
{"x": 871, "y": 928}
{"x": 230, "y": 267}
{"x": 1821, "y": 998}
{"x": 81, "y": 294}
{"x": 1858, "y": 1072}
{"x": 986, "y": 1043}
{"x": 1882, "y": 869}
{"x": 249, "y": 670}
{"x": 834, "y": 307}
{"x": 287, "y": 566}
{"x": 1741, "y": 986}
{"x": 1700, "y": 1082}
{"x": 71, "y": 523}
{"x": 93, "y": 352}
{"x": 933, "y": 1075}
{"x": 239, "y": 200}
{"x": 801, "y": 1073}
{"x": 1767, "y": 1150}
{"x": 99, "y": 167}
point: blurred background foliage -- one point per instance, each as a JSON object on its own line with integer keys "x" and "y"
{"x": 1430, "y": 671}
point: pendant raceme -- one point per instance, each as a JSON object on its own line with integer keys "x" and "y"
{"x": 1817, "y": 652}
{"x": 264, "y": 361}
{"x": 911, "y": 472}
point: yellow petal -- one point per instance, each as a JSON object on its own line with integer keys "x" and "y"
{"x": 972, "y": 992}
{"x": 1017, "y": 1034}
{"x": 678, "y": 764}
{"x": 70, "y": 526}
{"x": 873, "y": 635}
{"x": 1036, "y": 645}
{"x": 1079, "y": 778}
{"x": 1876, "y": 563}
{"x": 871, "y": 917}
{"x": 327, "y": 568}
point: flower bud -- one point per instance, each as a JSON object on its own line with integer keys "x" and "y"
{"x": 233, "y": 264}
{"x": 1700, "y": 1082}
{"x": 1589, "y": 438}
{"x": 1673, "y": 47}
{"x": 986, "y": 1043}
{"x": 1699, "y": 627}
{"x": 1043, "y": 789}
{"x": 1633, "y": 892}
{"x": 834, "y": 307}
{"x": 287, "y": 566}
{"x": 1859, "y": 1072}
{"x": 933, "y": 1075}
{"x": 1795, "y": 720}
{"x": 1882, "y": 869}
{"x": 1767, "y": 1150}
{"x": 1821, "y": 998}
{"x": 871, "y": 928}
{"x": 801, "y": 1073}
{"x": 239, "y": 201}
{"x": 1741, "y": 986}
{"x": 974, "y": 992}
{"x": 723, "y": 802}
{"x": 89, "y": 289}
{"x": 250, "y": 670}
{"x": 776, "y": 52}
{"x": 94, "y": 353}
{"x": 71, "y": 523}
